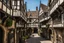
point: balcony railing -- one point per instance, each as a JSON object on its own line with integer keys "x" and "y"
{"x": 59, "y": 2}
{"x": 44, "y": 19}
{"x": 57, "y": 25}
{"x": 16, "y": 13}
{"x": 53, "y": 3}
{"x": 32, "y": 25}
{"x": 43, "y": 26}
{"x": 43, "y": 15}
{"x": 57, "y": 22}
{"x": 4, "y": 8}
{"x": 19, "y": 25}
{"x": 33, "y": 17}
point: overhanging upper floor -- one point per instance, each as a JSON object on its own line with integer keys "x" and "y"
{"x": 5, "y": 8}
{"x": 56, "y": 5}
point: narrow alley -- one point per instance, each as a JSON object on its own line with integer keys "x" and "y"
{"x": 31, "y": 21}
{"x": 35, "y": 38}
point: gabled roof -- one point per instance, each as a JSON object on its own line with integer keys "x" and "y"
{"x": 44, "y": 7}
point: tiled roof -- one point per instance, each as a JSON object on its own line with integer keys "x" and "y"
{"x": 34, "y": 14}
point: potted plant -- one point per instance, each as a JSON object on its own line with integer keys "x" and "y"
{"x": 25, "y": 38}
{"x": 9, "y": 22}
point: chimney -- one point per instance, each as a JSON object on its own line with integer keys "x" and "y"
{"x": 36, "y": 8}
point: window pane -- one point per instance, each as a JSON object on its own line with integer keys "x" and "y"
{"x": 14, "y": 7}
{"x": 12, "y": 2}
{"x": 18, "y": 7}
{"x": 18, "y": 2}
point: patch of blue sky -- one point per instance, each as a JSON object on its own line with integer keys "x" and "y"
{"x": 32, "y": 4}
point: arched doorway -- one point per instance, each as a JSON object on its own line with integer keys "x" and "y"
{"x": 1, "y": 35}
{"x": 30, "y": 30}
{"x": 35, "y": 30}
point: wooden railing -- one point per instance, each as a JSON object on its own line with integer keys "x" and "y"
{"x": 19, "y": 25}
{"x": 5, "y": 8}
{"x": 32, "y": 25}
{"x": 55, "y": 5}
{"x": 43, "y": 19}
{"x": 43, "y": 16}
{"x": 57, "y": 22}
{"x": 52, "y": 4}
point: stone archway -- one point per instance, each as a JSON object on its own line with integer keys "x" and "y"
{"x": 35, "y": 30}
{"x": 3, "y": 34}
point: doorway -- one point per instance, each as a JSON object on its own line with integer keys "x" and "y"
{"x": 1, "y": 35}
{"x": 50, "y": 32}
{"x": 35, "y": 30}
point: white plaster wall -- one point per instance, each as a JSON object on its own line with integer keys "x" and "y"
{"x": 4, "y": 8}
{"x": 8, "y": 11}
{"x": 0, "y": 5}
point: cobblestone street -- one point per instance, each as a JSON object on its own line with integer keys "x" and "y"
{"x": 37, "y": 39}
{"x": 31, "y": 21}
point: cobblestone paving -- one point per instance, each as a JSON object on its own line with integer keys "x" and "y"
{"x": 35, "y": 38}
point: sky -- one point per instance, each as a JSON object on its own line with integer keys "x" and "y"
{"x": 31, "y": 4}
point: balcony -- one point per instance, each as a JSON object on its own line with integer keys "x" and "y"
{"x": 32, "y": 25}
{"x": 56, "y": 6}
{"x": 43, "y": 16}
{"x": 19, "y": 25}
{"x": 4, "y": 8}
{"x": 44, "y": 19}
{"x": 43, "y": 26}
{"x": 57, "y": 25}
{"x": 16, "y": 13}
{"x": 33, "y": 17}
